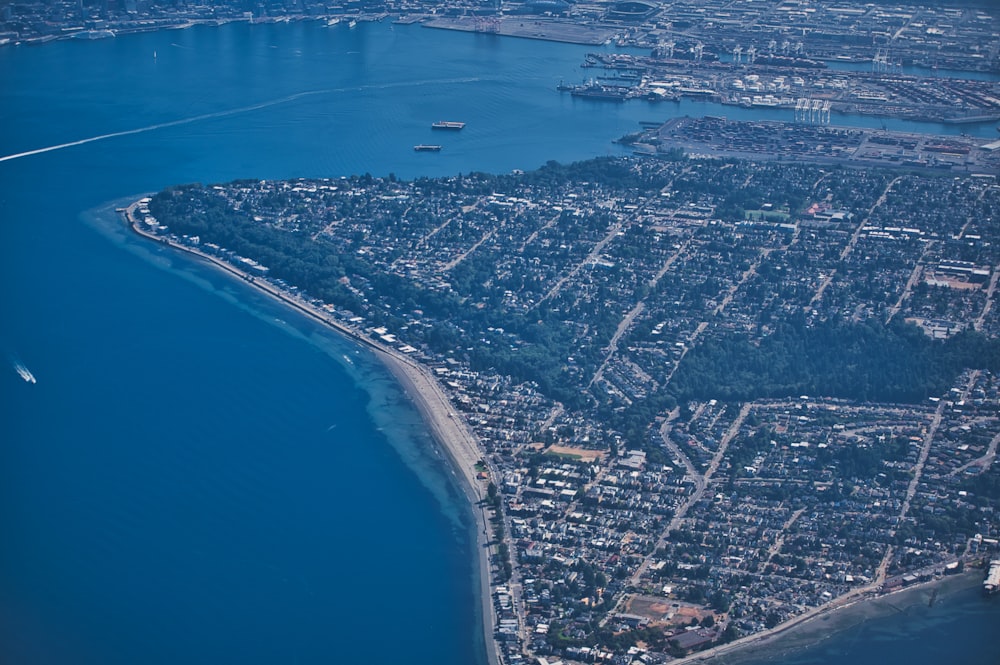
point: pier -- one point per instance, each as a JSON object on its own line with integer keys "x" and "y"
{"x": 810, "y": 88}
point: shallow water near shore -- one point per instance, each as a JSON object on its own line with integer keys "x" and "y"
{"x": 201, "y": 475}
{"x": 947, "y": 621}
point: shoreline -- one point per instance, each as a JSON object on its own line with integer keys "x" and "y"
{"x": 463, "y": 452}
{"x": 545, "y": 29}
{"x": 448, "y": 430}
{"x": 852, "y": 608}
{"x": 527, "y": 27}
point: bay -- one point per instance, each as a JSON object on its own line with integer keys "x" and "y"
{"x": 200, "y": 475}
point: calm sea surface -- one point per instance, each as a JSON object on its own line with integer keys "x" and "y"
{"x": 199, "y": 475}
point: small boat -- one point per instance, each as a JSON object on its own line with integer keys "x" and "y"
{"x": 447, "y": 124}
{"x": 427, "y": 148}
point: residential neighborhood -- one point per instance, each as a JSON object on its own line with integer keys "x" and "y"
{"x": 624, "y": 338}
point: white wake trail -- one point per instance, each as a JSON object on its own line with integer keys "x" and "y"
{"x": 164, "y": 125}
{"x": 222, "y": 114}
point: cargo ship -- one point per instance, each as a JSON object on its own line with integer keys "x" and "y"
{"x": 427, "y": 148}
{"x": 596, "y": 90}
{"x": 600, "y": 92}
{"x": 447, "y": 124}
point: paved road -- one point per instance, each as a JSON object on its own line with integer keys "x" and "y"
{"x": 701, "y": 484}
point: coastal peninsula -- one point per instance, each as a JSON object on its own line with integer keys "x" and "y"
{"x": 697, "y": 401}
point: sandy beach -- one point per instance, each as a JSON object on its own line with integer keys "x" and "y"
{"x": 462, "y": 448}
{"x": 447, "y": 427}
{"x": 464, "y": 452}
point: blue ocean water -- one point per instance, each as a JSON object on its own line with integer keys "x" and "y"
{"x": 200, "y": 475}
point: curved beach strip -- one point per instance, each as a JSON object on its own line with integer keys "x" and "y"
{"x": 463, "y": 450}
{"x": 447, "y": 427}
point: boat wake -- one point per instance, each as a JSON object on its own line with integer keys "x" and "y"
{"x": 164, "y": 125}
{"x": 24, "y": 372}
{"x": 227, "y": 112}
